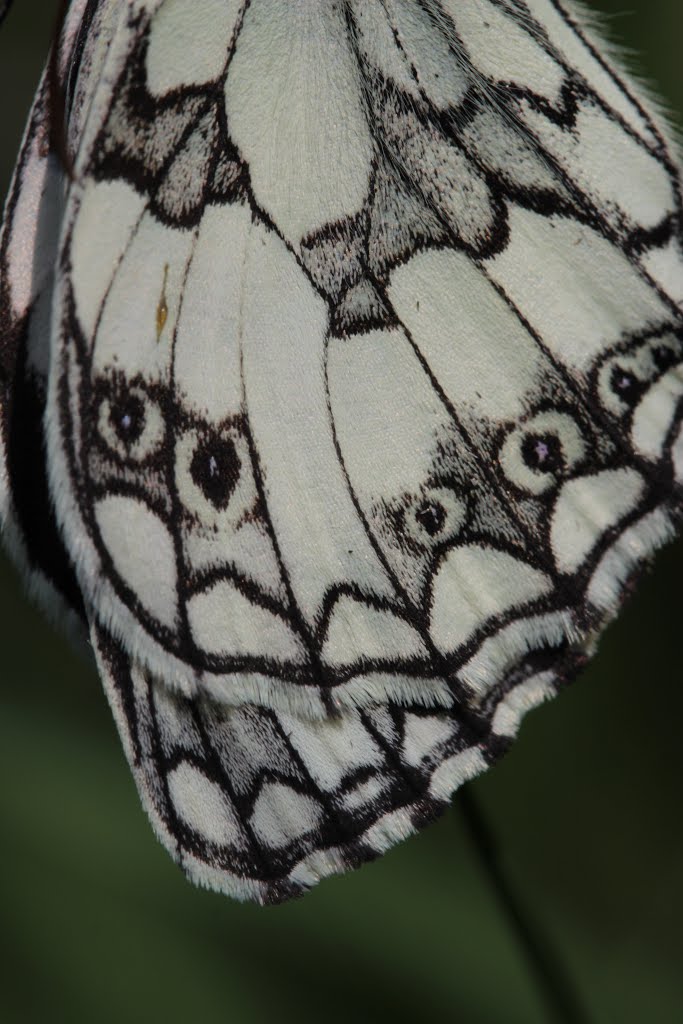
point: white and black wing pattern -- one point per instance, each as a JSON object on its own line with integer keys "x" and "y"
{"x": 262, "y": 803}
{"x": 364, "y": 386}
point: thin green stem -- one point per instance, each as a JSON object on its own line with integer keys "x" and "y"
{"x": 554, "y": 985}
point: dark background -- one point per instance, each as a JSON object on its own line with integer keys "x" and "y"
{"x": 97, "y": 924}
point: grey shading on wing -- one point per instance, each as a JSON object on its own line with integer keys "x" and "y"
{"x": 354, "y": 453}
{"x": 28, "y": 255}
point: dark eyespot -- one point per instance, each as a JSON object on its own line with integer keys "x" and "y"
{"x": 626, "y": 385}
{"x": 215, "y": 469}
{"x": 543, "y": 452}
{"x": 664, "y": 357}
{"x": 127, "y": 417}
{"x": 538, "y": 455}
{"x": 431, "y": 516}
{"x": 129, "y": 421}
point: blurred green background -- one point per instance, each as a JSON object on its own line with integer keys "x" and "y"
{"x": 98, "y": 925}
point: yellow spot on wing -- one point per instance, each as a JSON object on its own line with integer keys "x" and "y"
{"x": 162, "y": 308}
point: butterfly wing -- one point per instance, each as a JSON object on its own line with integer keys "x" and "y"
{"x": 364, "y": 401}
{"x": 28, "y": 258}
{"x": 262, "y": 804}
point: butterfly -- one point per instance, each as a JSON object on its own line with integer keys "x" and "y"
{"x": 341, "y": 397}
